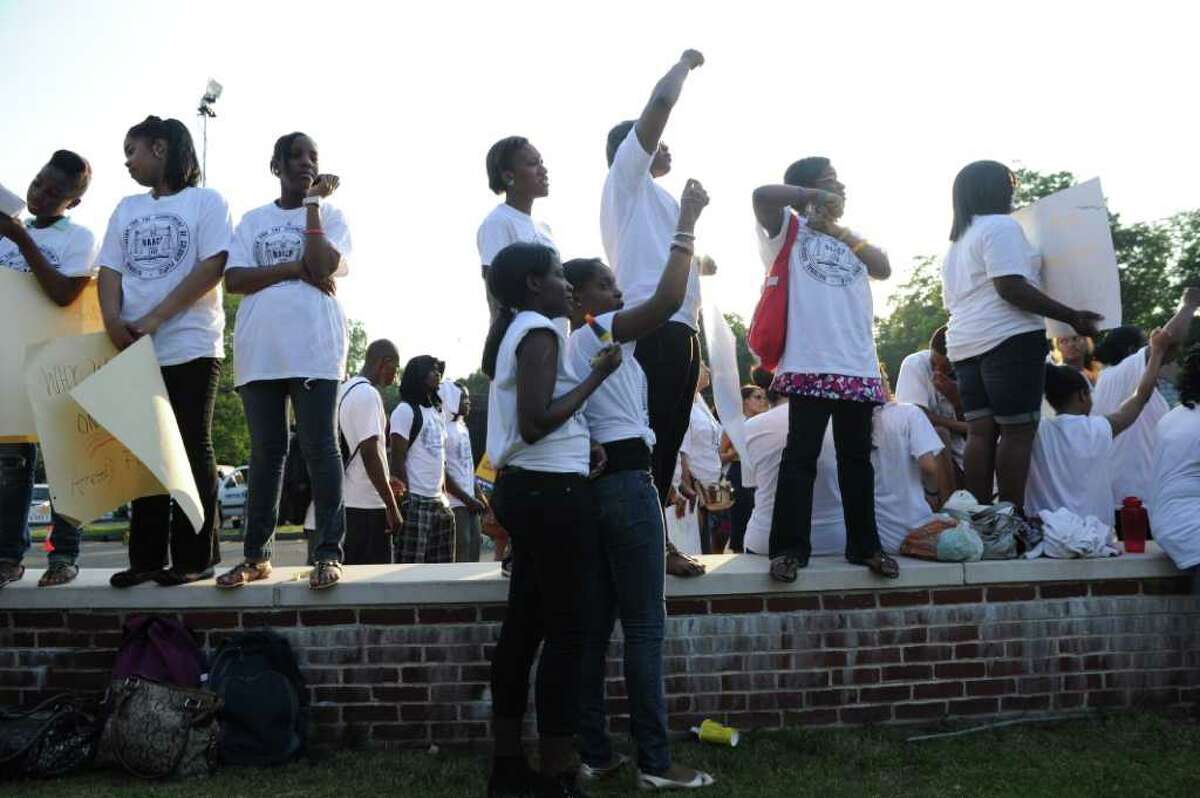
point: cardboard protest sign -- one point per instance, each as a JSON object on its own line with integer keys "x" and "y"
{"x": 1079, "y": 265}
{"x": 107, "y": 430}
{"x": 28, "y": 316}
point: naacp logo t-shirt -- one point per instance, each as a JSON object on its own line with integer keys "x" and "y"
{"x": 68, "y": 247}
{"x": 154, "y": 243}
{"x": 266, "y": 344}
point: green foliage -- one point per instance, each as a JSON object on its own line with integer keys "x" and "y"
{"x": 356, "y": 351}
{"x": 915, "y": 312}
{"x": 231, "y": 439}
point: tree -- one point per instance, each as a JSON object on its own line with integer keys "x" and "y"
{"x": 356, "y": 350}
{"x": 231, "y": 438}
{"x": 916, "y": 311}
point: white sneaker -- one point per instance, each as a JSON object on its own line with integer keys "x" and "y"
{"x": 589, "y": 773}
{"x": 647, "y": 782}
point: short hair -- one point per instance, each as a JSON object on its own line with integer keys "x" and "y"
{"x": 980, "y": 188}
{"x": 618, "y": 134}
{"x": 182, "y": 169}
{"x": 806, "y": 171}
{"x": 283, "y": 147}
{"x": 1188, "y": 381}
{"x": 748, "y": 390}
{"x": 1119, "y": 344}
{"x": 381, "y": 349}
{"x": 500, "y": 159}
{"x": 581, "y": 271}
{"x": 74, "y": 167}
{"x": 937, "y": 341}
{"x": 1062, "y": 383}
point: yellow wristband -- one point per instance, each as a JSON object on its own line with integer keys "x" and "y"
{"x": 858, "y": 247}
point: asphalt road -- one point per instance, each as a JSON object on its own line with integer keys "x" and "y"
{"x": 115, "y": 555}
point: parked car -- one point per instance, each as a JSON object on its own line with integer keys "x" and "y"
{"x": 39, "y": 505}
{"x": 231, "y": 494}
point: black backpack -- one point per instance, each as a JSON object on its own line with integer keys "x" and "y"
{"x": 264, "y": 709}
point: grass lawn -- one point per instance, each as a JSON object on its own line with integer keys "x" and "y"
{"x": 1122, "y": 755}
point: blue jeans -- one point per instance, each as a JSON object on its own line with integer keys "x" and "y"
{"x": 17, "y": 462}
{"x": 315, "y": 403}
{"x": 630, "y": 586}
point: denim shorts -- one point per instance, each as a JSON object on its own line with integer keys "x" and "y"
{"x": 1005, "y": 382}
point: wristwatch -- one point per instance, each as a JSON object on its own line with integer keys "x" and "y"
{"x": 313, "y": 200}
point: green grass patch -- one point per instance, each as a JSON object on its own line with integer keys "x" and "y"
{"x": 1122, "y": 756}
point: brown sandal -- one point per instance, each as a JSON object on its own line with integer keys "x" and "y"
{"x": 325, "y": 574}
{"x": 244, "y": 573}
{"x": 58, "y": 573}
{"x": 680, "y": 564}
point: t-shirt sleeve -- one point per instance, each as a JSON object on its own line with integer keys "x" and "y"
{"x": 913, "y": 383}
{"x": 361, "y": 415}
{"x": 1006, "y": 252}
{"x": 241, "y": 247}
{"x": 1098, "y": 436}
{"x": 402, "y": 419}
{"x": 1118, "y": 383}
{"x": 922, "y": 437}
{"x": 78, "y": 258}
{"x": 215, "y": 227}
{"x": 337, "y": 232}
{"x": 112, "y": 249}
{"x": 631, "y": 164}
{"x": 494, "y": 235}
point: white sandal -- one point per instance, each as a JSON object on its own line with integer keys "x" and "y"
{"x": 647, "y": 782}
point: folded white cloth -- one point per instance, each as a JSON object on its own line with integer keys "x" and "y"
{"x": 1068, "y": 536}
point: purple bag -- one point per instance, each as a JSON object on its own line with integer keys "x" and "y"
{"x": 159, "y": 650}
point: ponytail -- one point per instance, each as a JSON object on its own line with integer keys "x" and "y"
{"x": 506, "y": 280}
{"x": 182, "y": 169}
{"x": 491, "y": 347}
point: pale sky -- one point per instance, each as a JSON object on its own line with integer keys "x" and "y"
{"x": 404, "y": 100}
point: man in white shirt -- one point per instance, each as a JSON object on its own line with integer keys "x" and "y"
{"x": 372, "y": 515}
{"x": 461, "y": 492}
{"x": 418, "y": 436}
{"x": 926, "y": 379}
{"x": 638, "y": 218}
{"x": 59, "y": 255}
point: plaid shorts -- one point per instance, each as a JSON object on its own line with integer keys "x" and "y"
{"x": 428, "y": 531}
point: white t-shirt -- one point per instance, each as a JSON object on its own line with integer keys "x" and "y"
{"x": 914, "y": 385}
{"x": 289, "y": 329}
{"x": 1070, "y": 467}
{"x": 901, "y": 435}
{"x": 1132, "y": 455}
{"x": 506, "y": 225}
{"x": 1175, "y": 512}
{"x": 425, "y": 463}
{"x": 830, "y": 311}
{"x": 68, "y": 247}
{"x": 563, "y": 451}
{"x": 361, "y": 416}
{"x": 154, "y": 244}
{"x": 460, "y": 460}
{"x": 702, "y": 444}
{"x": 618, "y": 409}
{"x": 766, "y": 435}
{"x": 993, "y": 246}
{"x": 638, "y": 218}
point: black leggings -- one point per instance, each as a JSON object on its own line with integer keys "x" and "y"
{"x": 556, "y": 551}
{"x": 791, "y": 521}
{"x": 670, "y": 356}
{"x": 158, "y": 525}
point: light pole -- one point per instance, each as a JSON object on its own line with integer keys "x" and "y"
{"x": 206, "y": 112}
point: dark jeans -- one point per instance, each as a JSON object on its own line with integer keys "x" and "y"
{"x": 551, "y": 520}
{"x": 158, "y": 525}
{"x": 367, "y": 540}
{"x": 314, "y": 403}
{"x": 670, "y": 356}
{"x": 791, "y": 522}
{"x": 17, "y": 463}
{"x": 630, "y": 586}
{"x": 743, "y": 506}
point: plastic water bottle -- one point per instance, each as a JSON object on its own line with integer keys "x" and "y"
{"x": 1134, "y": 523}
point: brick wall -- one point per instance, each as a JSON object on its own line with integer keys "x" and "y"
{"x": 414, "y": 675}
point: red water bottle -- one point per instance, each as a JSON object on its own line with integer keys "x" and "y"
{"x": 1134, "y": 523}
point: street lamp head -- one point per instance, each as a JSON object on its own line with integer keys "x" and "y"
{"x": 213, "y": 92}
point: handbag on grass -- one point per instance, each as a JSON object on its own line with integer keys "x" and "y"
{"x": 158, "y": 731}
{"x": 55, "y": 738}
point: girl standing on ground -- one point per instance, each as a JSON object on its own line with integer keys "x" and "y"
{"x": 290, "y": 344}
{"x": 539, "y": 442}
{"x": 160, "y": 275}
{"x": 829, "y": 367}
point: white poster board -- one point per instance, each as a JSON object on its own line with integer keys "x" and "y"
{"x": 1079, "y": 265}
{"x": 726, "y": 382}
